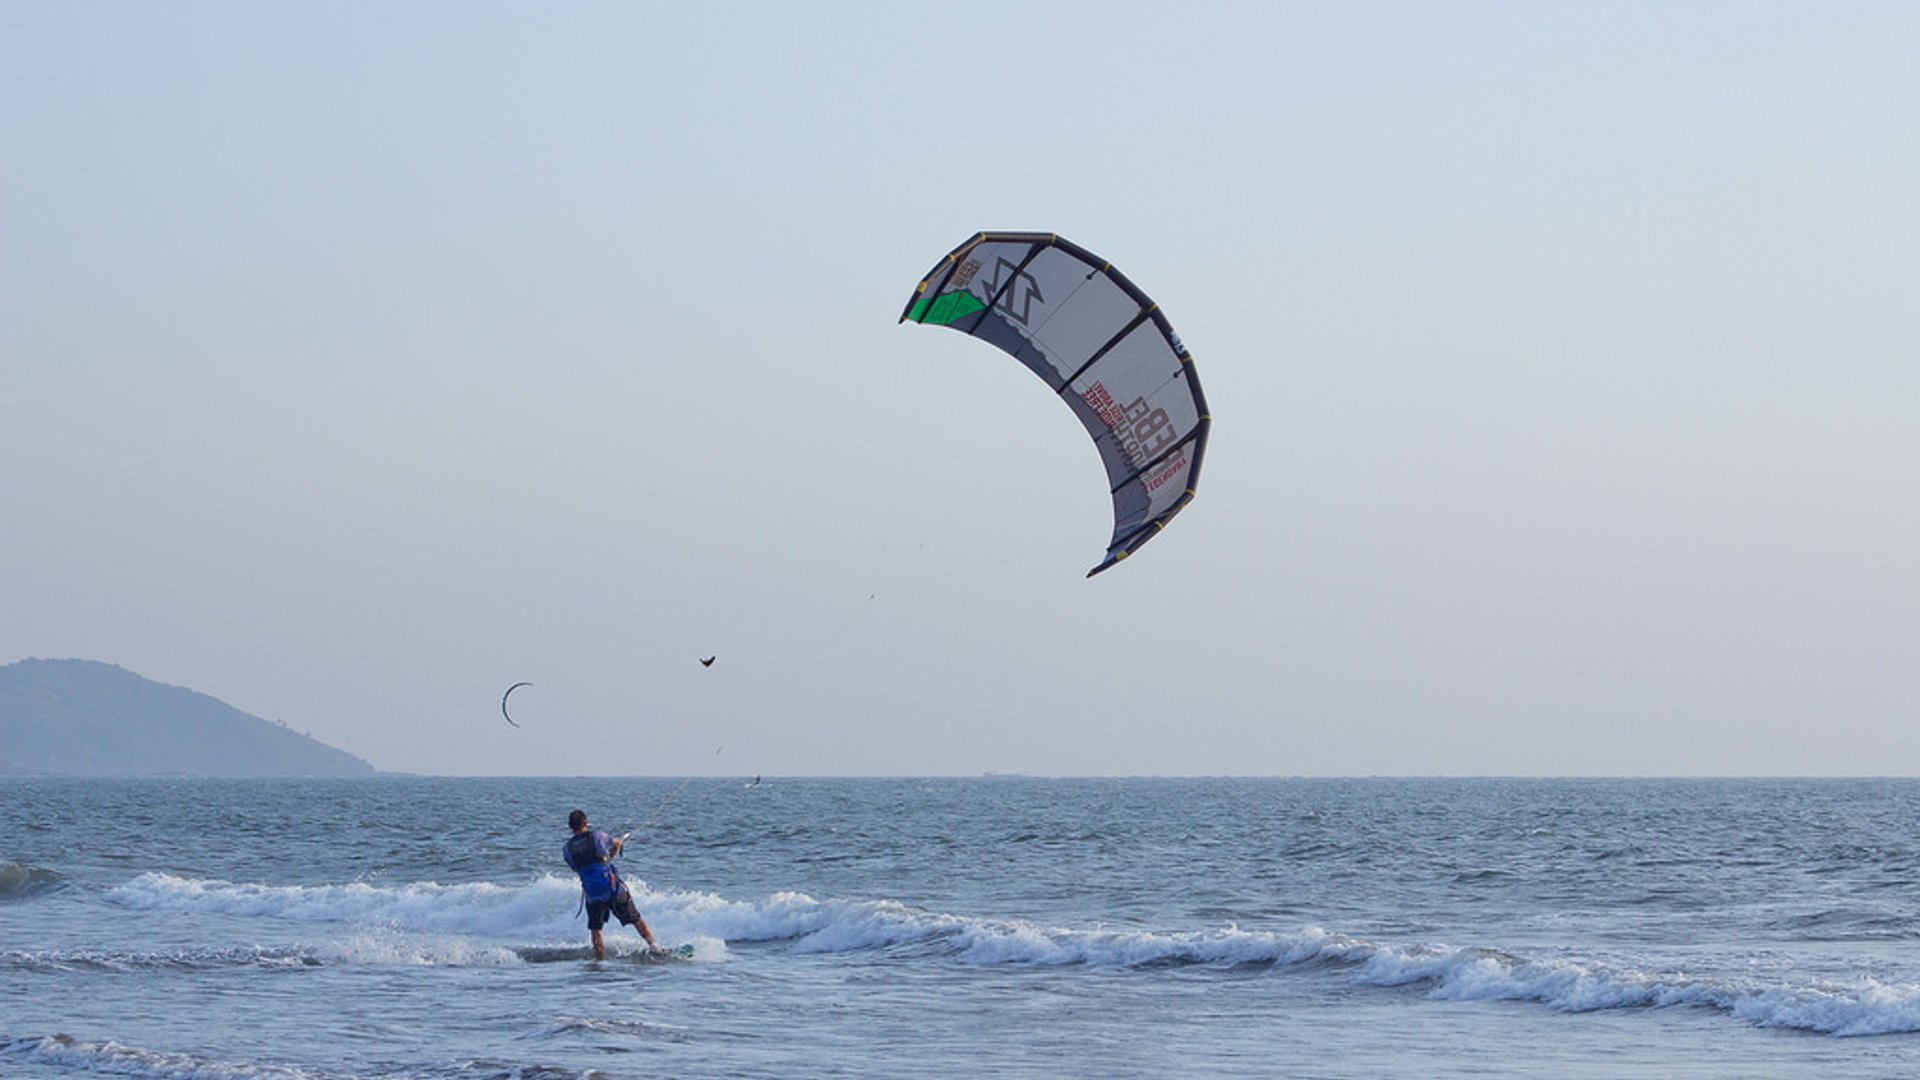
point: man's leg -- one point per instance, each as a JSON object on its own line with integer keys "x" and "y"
{"x": 599, "y": 946}
{"x": 629, "y": 914}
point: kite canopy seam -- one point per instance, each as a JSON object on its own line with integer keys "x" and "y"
{"x": 1102, "y": 345}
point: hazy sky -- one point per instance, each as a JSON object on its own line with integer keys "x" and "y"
{"x": 358, "y": 360}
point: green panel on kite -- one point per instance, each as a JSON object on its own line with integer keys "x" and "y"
{"x": 946, "y": 310}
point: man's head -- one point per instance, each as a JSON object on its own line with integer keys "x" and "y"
{"x": 577, "y": 820}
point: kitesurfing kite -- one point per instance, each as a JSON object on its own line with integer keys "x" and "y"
{"x": 1102, "y": 345}
{"x": 505, "y": 696}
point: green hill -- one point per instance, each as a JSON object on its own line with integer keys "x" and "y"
{"x": 86, "y": 718}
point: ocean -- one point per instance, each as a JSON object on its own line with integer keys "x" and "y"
{"x": 981, "y": 927}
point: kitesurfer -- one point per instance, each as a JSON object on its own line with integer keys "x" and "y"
{"x": 590, "y": 853}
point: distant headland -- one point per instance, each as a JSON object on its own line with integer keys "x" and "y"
{"x": 87, "y": 718}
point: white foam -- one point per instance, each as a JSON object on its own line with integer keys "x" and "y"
{"x": 478, "y": 908}
{"x": 1864, "y": 1006}
{"x": 427, "y": 923}
{"x": 1860, "y": 1006}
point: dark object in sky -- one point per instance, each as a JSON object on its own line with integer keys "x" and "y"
{"x": 708, "y": 662}
{"x": 508, "y": 694}
{"x": 1102, "y": 345}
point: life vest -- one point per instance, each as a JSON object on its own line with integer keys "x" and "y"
{"x": 598, "y": 881}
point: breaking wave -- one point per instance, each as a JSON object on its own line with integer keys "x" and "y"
{"x": 21, "y": 882}
{"x": 499, "y": 924}
{"x": 115, "y": 1059}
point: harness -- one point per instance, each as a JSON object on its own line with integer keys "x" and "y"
{"x": 598, "y": 880}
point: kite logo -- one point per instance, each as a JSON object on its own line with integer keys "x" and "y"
{"x": 1018, "y": 297}
{"x": 1140, "y": 430}
{"x": 964, "y": 276}
{"x": 1171, "y": 469}
{"x": 1144, "y": 432}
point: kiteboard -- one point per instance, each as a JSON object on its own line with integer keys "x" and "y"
{"x": 548, "y": 955}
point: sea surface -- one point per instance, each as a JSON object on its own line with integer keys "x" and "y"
{"x": 985, "y": 927}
